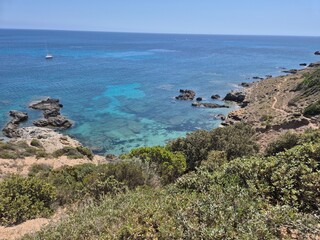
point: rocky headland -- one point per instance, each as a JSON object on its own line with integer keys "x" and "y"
{"x": 278, "y": 104}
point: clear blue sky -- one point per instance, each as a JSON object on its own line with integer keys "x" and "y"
{"x": 255, "y": 17}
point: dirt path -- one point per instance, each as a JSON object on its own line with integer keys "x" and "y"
{"x": 273, "y": 106}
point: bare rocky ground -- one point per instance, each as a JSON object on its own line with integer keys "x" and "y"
{"x": 275, "y": 105}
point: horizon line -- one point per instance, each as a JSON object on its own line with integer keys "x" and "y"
{"x": 164, "y": 33}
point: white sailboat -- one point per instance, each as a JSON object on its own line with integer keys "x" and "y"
{"x": 48, "y": 56}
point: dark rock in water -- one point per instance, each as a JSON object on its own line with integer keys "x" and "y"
{"x": 47, "y": 104}
{"x": 317, "y": 53}
{"x": 59, "y": 122}
{"x": 314, "y": 64}
{"x": 220, "y": 117}
{"x": 41, "y": 123}
{"x": 257, "y": 78}
{"x": 199, "y": 99}
{"x": 235, "y": 97}
{"x": 51, "y": 112}
{"x": 208, "y": 105}
{"x": 18, "y": 116}
{"x": 303, "y": 64}
{"x": 268, "y": 76}
{"x": 292, "y": 71}
{"x": 215, "y": 96}
{"x": 186, "y": 95}
{"x": 244, "y": 84}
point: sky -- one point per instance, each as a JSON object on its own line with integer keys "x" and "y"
{"x": 244, "y": 17}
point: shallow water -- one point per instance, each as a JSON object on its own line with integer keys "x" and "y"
{"x": 119, "y": 88}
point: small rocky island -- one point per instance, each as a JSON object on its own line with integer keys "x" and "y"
{"x": 51, "y": 113}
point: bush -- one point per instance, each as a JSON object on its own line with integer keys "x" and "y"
{"x": 289, "y": 140}
{"x": 86, "y": 152}
{"x": 70, "y": 152}
{"x": 289, "y": 178}
{"x": 286, "y": 141}
{"x": 312, "y": 109}
{"x": 170, "y": 165}
{"x": 14, "y": 150}
{"x": 236, "y": 141}
{"x": 195, "y": 147}
{"x": 24, "y": 198}
{"x": 36, "y": 143}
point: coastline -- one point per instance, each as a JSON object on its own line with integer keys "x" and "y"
{"x": 275, "y": 105}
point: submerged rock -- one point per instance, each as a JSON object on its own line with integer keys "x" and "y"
{"x": 303, "y": 64}
{"x": 199, "y": 99}
{"x": 317, "y": 53}
{"x": 186, "y": 95}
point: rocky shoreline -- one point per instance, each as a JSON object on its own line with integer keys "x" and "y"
{"x": 275, "y": 105}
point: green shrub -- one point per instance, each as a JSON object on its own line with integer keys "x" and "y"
{"x": 285, "y": 141}
{"x": 170, "y": 165}
{"x": 289, "y": 178}
{"x": 312, "y": 109}
{"x": 221, "y": 213}
{"x": 24, "y": 198}
{"x": 236, "y": 141}
{"x": 108, "y": 185}
{"x": 36, "y": 169}
{"x": 195, "y": 147}
{"x": 36, "y": 143}
{"x": 289, "y": 140}
{"x": 85, "y": 151}
{"x": 14, "y": 150}
{"x": 70, "y": 152}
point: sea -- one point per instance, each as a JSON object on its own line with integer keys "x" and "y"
{"x": 119, "y": 88}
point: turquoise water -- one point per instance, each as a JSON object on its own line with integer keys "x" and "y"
{"x": 119, "y": 88}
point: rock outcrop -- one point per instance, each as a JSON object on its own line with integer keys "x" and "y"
{"x": 51, "y": 113}
{"x": 244, "y": 84}
{"x": 235, "y": 96}
{"x": 208, "y": 105}
{"x": 317, "y": 53}
{"x": 291, "y": 71}
{"x": 215, "y": 96}
{"x": 186, "y": 94}
{"x": 303, "y": 64}
{"x": 312, "y": 65}
{"x": 11, "y": 128}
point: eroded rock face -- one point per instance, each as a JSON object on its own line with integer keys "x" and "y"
{"x": 10, "y": 130}
{"x": 235, "y": 96}
{"x": 186, "y": 95}
{"x": 51, "y": 113}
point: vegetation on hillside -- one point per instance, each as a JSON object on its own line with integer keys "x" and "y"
{"x": 219, "y": 194}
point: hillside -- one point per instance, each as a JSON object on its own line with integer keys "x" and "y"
{"x": 258, "y": 178}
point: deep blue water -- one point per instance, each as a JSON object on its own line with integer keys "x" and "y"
{"x": 119, "y": 87}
